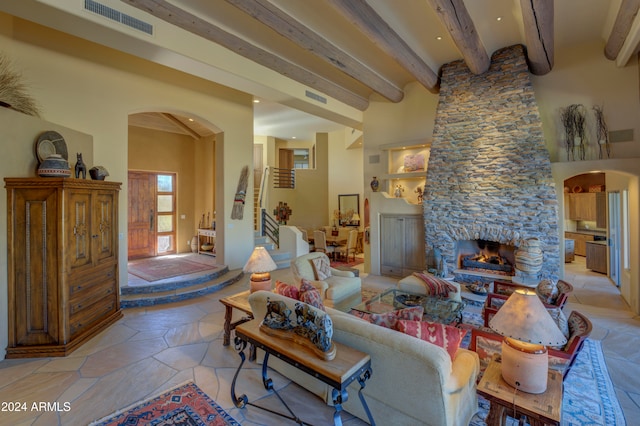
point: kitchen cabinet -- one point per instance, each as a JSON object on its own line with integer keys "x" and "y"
{"x": 601, "y": 209}
{"x": 597, "y": 256}
{"x": 63, "y": 286}
{"x": 582, "y": 206}
{"x": 402, "y": 249}
{"x": 580, "y": 246}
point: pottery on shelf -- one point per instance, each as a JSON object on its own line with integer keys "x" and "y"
{"x": 98, "y": 173}
{"x": 54, "y": 166}
{"x": 375, "y": 184}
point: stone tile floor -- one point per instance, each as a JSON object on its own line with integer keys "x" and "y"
{"x": 152, "y": 349}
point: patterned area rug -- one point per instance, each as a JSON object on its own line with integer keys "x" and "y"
{"x": 350, "y": 263}
{"x": 159, "y": 268}
{"x": 589, "y": 398}
{"x": 184, "y": 405}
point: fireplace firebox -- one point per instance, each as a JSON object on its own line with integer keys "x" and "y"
{"x": 483, "y": 256}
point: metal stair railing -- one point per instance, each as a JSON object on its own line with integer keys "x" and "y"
{"x": 270, "y": 228}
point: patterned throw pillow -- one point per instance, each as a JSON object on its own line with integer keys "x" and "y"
{"x": 390, "y": 319}
{"x": 310, "y": 295}
{"x": 287, "y": 290}
{"x": 321, "y": 267}
{"x": 442, "y": 335}
{"x": 547, "y": 291}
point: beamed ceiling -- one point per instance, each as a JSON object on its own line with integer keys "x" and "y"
{"x": 352, "y": 51}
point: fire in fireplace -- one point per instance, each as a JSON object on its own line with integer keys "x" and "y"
{"x": 486, "y": 256}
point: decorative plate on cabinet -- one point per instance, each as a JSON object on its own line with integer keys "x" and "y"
{"x": 51, "y": 142}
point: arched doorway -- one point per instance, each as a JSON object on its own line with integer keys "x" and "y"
{"x": 171, "y": 163}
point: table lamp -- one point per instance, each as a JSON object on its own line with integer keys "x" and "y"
{"x": 259, "y": 265}
{"x": 528, "y": 329}
{"x": 355, "y": 218}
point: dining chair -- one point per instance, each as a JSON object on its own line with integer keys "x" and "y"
{"x": 320, "y": 243}
{"x": 350, "y": 247}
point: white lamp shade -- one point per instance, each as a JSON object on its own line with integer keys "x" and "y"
{"x": 355, "y": 217}
{"x": 524, "y": 317}
{"x": 260, "y": 261}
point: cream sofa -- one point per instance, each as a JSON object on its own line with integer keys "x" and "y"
{"x": 413, "y": 382}
{"x": 339, "y": 288}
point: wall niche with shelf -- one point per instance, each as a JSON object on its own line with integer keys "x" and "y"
{"x": 407, "y": 167}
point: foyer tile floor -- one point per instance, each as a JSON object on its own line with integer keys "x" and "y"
{"x": 152, "y": 349}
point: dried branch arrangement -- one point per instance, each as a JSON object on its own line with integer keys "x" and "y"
{"x": 13, "y": 92}
{"x": 573, "y": 118}
{"x": 602, "y": 132}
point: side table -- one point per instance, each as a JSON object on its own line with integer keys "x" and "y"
{"x": 539, "y": 409}
{"x": 348, "y": 366}
{"x": 239, "y": 301}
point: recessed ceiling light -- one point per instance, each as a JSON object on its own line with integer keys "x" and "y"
{"x": 438, "y": 37}
{"x": 293, "y": 137}
{"x": 191, "y": 119}
{"x": 256, "y": 101}
{"x": 499, "y": 18}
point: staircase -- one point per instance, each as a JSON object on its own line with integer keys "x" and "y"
{"x": 178, "y": 289}
{"x": 282, "y": 258}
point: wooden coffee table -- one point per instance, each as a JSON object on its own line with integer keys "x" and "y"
{"x": 539, "y": 409}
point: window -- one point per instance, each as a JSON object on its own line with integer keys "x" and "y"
{"x": 301, "y": 158}
{"x": 165, "y": 208}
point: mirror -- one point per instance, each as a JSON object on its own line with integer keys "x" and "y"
{"x": 349, "y": 207}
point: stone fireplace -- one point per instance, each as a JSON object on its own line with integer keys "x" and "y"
{"x": 489, "y": 173}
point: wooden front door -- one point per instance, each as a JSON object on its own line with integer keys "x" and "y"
{"x": 142, "y": 198}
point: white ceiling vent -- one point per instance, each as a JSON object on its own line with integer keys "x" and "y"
{"x": 117, "y": 16}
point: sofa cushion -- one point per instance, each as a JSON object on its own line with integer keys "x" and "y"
{"x": 321, "y": 268}
{"x": 561, "y": 321}
{"x": 287, "y": 290}
{"x": 442, "y": 335}
{"x": 310, "y": 295}
{"x": 390, "y": 319}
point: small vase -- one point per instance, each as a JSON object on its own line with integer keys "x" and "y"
{"x": 375, "y": 184}
{"x": 54, "y": 166}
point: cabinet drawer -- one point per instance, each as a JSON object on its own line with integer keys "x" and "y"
{"x": 85, "y": 282}
{"x": 394, "y": 271}
{"x": 84, "y": 319}
{"x": 93, "y": 295}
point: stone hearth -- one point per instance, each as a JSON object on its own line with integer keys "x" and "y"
{"x": 489, "y": 173}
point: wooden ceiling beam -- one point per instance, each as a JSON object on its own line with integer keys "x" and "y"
{"x": 293, "y": 30}
{"x": 195, "y": 25}
{"x": 367, "y": 20}
{"x": 179, "y": 124}
{"x": 454, "y": 16}
{"x": 621, "y": 28}
{"x": 537, "y": 16}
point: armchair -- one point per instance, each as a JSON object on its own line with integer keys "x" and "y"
{"x": 503, "y": 289}
{"x": 485, "y": 342}
{"x": 340, "y": 286}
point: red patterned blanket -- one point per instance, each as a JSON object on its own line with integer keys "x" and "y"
{"x": 436, "y": 286}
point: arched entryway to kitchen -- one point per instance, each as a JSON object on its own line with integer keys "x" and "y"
{"x": 599, "y": 208}
{"x": 171, "y": 186}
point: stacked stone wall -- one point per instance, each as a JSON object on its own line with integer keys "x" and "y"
{"x": 489, "y": 172}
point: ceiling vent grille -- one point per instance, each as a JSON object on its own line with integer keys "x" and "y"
{"x": 117, "y": 16}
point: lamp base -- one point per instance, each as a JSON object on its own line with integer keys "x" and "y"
{"x": 259, "y": 281}
{"x": 525, "y": 366}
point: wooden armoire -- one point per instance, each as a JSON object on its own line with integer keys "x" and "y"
{"x": 63, "y": 287}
